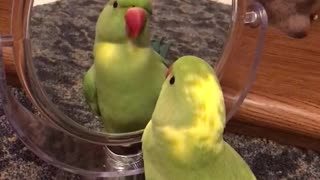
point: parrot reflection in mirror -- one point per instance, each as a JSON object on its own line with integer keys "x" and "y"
{"x": 123, "y": 84}
{"x": 184, "y": 139}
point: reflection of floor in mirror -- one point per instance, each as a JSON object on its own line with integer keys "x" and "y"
{"x": 62, "y": 37}
{"x": 42, "y": 2}
{"x": 229, "y": 2}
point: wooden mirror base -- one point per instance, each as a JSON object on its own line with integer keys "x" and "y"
{"x": 284, "y": 102}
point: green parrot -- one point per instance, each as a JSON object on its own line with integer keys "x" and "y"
{"x": 123, "y": 84}
{"x": 184, "y": 139}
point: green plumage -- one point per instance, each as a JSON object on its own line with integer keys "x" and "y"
{"x": 123, "y": 84}
{"x": 161, "y": 48}
{"x": 184, "y": 139}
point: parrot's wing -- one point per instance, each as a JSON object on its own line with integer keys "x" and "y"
{"x": 238, "y": 168}
{"x": 161, "y": 48}
{"x": 90, "y": 92}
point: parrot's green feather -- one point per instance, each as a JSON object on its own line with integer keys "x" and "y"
{"x": 90, "y": 91}
{"x": 164, "y": 50}
{"x": 184, "y": 139}
{"x": 161, "y": 48}
{"x": 156, "y": 45}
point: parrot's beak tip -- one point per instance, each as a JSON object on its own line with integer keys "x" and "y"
{"x": 135, "y": 21}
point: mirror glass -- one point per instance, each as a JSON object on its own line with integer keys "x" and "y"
{"x": 63, "y": 34}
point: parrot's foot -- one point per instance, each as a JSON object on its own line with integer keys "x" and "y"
{"x": 161, "y": 48}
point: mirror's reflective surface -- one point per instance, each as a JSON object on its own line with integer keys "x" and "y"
{"x": 63, "y": 33}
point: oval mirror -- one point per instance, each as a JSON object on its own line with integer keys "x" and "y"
{"x": 63, "y": 36}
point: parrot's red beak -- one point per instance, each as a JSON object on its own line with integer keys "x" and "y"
{"x": 135, "y": 21}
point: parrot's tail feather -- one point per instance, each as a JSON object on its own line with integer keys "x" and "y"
{"x": 155, "y": 45}
{"x": 160, "y": 47}
{"x": 164, "y": 49}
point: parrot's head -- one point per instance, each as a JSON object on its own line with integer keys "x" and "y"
{"x": 125, "y": 20}
{"x": 191, "y": 99}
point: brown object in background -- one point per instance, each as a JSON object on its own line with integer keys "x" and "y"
{"x": 284, "y": 102}
{"x": 7, "y": 50}
{"x": 10, "y": 68}
{"x": 293, "y": 17}
{"x": 13, "y": 28}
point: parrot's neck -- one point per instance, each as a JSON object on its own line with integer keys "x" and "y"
{"x": 111, "y": 48}
{"x": 116, "y": 55}
{"x": 140, "y": 43}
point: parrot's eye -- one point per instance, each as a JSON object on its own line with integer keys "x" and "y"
{"x": 172, "y": 80}
{"x": 115, "y": 4}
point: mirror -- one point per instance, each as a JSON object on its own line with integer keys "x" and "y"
{"x": 62, "y": 36}
{"x": 63, "y": 33}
